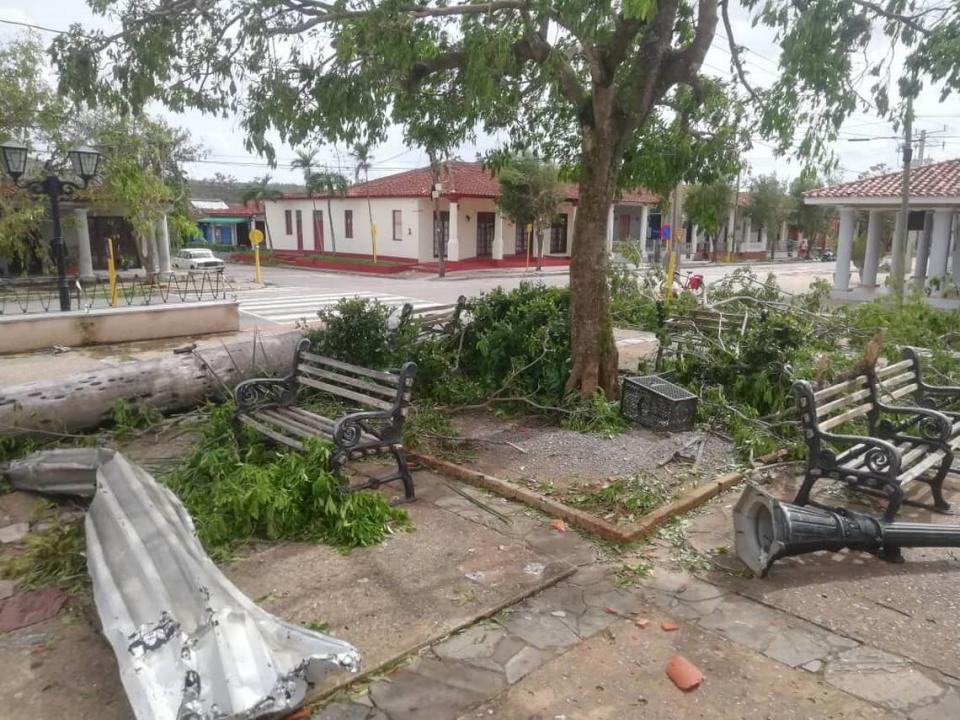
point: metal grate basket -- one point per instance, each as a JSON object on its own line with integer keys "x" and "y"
{"x": 657, "y": 403}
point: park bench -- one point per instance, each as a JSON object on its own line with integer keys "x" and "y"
{"x": 697, "y": 330}
{"x": 376, "y": 406}
{"x": 436, "y": 320}
{"x": 901, "y": 443}
{"x": 945, "y": 398}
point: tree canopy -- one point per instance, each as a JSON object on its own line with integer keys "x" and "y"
{"x": 530, "y": 194}
{"x": 605, "y": 79}
{"x": 709, "y": 205}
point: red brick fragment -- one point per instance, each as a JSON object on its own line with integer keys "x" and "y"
{"x": 668, "y": 626}
{"x": 685, "y": 674}
{"x": 558, "y": 525}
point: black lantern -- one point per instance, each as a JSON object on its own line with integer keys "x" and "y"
{"x": 13, "y": 155}
{"x": 85, "y": 161}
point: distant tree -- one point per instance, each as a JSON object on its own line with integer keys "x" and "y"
{"x": 708, "y": 206}
{"x": 329, "y": 183}
{"x": 530, "y": 195}
{"x": 306, "y": 161}
{"x": 361, "y": 159}
{"x": 811, "y": 220}
{"x": 261, "y": 192}
{"x": 768, "y": 206}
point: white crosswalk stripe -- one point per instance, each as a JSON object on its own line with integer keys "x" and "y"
{"x": 287, "y": 308}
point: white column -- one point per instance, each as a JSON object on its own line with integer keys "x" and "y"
{"x": 453, "y": 244}
{"x": 747, "y": 232}
{"x": 940, "y": 246}
{"x": 694, "y": 239}
{"x": 871, "y": 259}
{"x": 163, "y": 244}
{"x": 497, "y": 252}
{"x": 610, "y": 230}
{"x": 955, "y": 262}
{"x": 153, "y": 263}
{"x": 848, "y": 222}
{"x": 764, "y": 239}
{"x": 783, "y": 235}
{"x": 84, "y": 257}
{"x": 923, "y": 250}
{"x": 571, "y": 227}
{"x": 644, "y": 230}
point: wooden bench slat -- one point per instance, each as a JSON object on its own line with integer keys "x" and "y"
{"x": 309, "y": 418}
{"x": 344, "y": 393}
{"x": 291, "y": 423}
{"x": 355, "y": 369}
{"x": 904, "y": 391}
{"x": 388, "y": 392}
{"x": 843, "y": 401}
{"x": 858, "y": 411}
{"x": 270, "y": 433}
{"x": 832, "y": 390}
{"x": 894, "y": 368}
{"x": 921, "y": 467}
{"x": 896, "y": 380}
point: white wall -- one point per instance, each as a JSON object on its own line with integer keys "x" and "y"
{"x": 382, "y": 208}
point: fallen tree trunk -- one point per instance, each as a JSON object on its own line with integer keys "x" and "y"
{"x": 170, "y": 384}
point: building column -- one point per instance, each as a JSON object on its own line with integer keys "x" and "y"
{"x": 610, "y": 230}
{"x": 848, "y": 225}
{"x": 453, "y": 244}
{"x": 747, "y": 231}
{"x": 923, "y": 250}
{"x": 694, "y": 240}
{"x": 84, "y": 256}
{"x": 163, "y": 244}
{"x": 871, "y": 258}
{"x": 940, "y": 244}
{"x": 763, "y": 239}
{"x": 955, "y": 262}
{"x": 644, "y": 230}
{"x": 497, "y": 252}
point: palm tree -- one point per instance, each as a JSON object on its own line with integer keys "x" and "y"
{"x": 307, "y": 161}
{"x": 328, "y": 183}
{"x": 261, "y": 192}
{"x": 361, "y": 158}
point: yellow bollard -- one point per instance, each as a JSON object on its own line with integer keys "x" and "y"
{"x": 112, "y": 273}
{"x": 256, "y": 237}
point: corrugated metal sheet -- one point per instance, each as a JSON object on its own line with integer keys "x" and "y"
{"x": 189, "y": 644}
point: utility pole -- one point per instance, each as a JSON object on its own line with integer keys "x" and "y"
{"x": 923, "y": 145}
{"x": 898, "y": 261}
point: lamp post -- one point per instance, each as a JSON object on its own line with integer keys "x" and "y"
{"x": 85, "y": 161}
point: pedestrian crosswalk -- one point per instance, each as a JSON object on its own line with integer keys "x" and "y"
{"x": 287, "y": 307}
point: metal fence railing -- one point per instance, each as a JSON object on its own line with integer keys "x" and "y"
{"x": 40, "y": 294}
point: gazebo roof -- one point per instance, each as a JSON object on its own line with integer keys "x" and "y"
{"x": 933, "y": 183}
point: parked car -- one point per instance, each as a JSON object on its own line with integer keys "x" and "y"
{"x": 197, "y": 259}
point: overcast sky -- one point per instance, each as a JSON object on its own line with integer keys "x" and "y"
{"x": 222, "y": 140}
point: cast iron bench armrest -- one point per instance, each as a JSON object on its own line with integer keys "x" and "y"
{"x": 348, "y": 430}
{"x": 893, "y": 457}
{"x": 252, "y": 393}
{"x": 934, "y": 426}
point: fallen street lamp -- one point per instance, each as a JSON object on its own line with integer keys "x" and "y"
{"x": 85, "y": 161}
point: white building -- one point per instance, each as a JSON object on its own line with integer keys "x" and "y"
{"x": 401, "y": 207}
{"x": 872, "y": 206}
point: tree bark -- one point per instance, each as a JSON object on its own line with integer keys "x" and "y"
{"x": 593, "y": 351}
{"x": 170, "y": 384}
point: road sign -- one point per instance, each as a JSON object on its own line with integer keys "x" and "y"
{"x": 256, "y": 236}
{"x": 665, "y": 232}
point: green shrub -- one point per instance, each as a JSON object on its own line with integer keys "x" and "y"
{"x": 236, "y": 494}
{"x": 355, "y": 330}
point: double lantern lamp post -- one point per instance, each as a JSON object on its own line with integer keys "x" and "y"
{"x": 85, "y": 162}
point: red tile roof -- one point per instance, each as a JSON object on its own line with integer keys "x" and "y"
{"x": 940, "y": 179}
{"x": 462, "y": 179}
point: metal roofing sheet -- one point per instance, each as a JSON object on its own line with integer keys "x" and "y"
{"x": 189, "y": 644}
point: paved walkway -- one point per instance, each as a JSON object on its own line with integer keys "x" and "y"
{"x": 592, "y": 647}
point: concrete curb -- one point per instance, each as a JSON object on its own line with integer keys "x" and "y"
{"x": 585, "y": 521}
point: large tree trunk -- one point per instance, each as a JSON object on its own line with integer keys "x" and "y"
{"x": 593, "y": 351}
{"x": 172, "y": 383}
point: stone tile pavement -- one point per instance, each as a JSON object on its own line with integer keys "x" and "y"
{"x": 480, "y": 671}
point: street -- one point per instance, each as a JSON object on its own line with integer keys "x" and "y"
{"x": 293, "y": 294}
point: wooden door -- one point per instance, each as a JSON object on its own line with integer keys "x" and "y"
{"x": 624, "y": 230}
{"x": 558, "y": 235}
{"x": 318, "y": 230}
{"x": 299, "y": 230}
{"x": 441, "y": 231}
{"x": 486, "y": 226}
